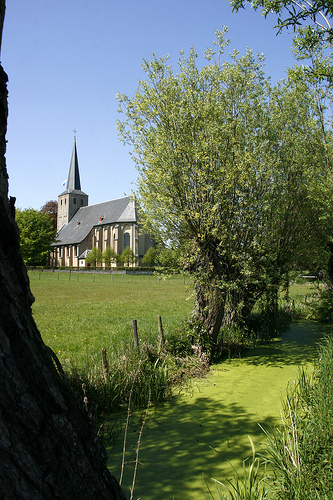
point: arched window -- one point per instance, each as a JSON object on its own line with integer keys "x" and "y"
{"x": 127, "y": 240}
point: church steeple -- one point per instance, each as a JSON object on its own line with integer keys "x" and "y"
{"x": 72, "y": 199}
{"x": 73, "y": 181}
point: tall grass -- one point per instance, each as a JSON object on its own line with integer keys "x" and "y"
{"x": 248, "y": 484}
{"x": 301, "y": 453}
{"x": 137, "y": 373}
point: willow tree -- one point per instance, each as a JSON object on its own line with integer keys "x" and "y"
{"x": 48, "y": 445}
{"x": 207, "y": 143}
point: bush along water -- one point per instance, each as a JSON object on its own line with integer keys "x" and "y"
{"x": 297, "y": 461}
{"x": 143, "y": 374}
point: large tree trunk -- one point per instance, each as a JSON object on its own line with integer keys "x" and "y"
{"x": 48, "y": 447}
{"x": 209, "y": 310}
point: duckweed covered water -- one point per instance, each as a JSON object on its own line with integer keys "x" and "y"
{"x": 203, "y": 433}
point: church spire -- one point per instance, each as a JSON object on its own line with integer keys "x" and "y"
{"x": 72, "y": 199}
{"x": 73, "y": 181}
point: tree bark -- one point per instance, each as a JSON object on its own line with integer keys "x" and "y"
{"x": 209, "y": 310}
{"x": 48, "y": 447}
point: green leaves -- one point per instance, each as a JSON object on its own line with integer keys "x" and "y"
{"x": 37, "y": 232}
{"x": 312, "y": 25}
{"x": 227, "y": 167}
{"x": 94, "y": 257}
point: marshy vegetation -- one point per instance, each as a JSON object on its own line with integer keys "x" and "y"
{"x": 78, "y": 315}
{"x": 296, "y": 462}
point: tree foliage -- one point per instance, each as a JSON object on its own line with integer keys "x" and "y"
{"x": 51, "y": 208}
{"x": 311, "y": 21}
{"x": 127, "y": 257}
{"x": 37, "y": 232}
{"x": 313, "y": 43}
{"x": 94, "y": 257}
{"x": 225, "y": 164}
{"x": 149, "y": 257}
{"x": 110, "y": 256}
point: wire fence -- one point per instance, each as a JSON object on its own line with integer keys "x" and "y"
{"x": 102, "y": 276}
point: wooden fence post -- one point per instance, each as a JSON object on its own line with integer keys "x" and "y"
{"x": 161, "y": 338}
{"x": 135, "y": 333}
{"x": 105, "y": 362}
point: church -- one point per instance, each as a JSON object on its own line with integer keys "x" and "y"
{"x": 81, "y": 227}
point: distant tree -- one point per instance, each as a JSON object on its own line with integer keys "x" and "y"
{"x": 36, "y": 235}
{"x": 169, "y": 260}
{"x": 149, "y": 257}
{"x": 128, "y": 257}
{"x": 94, "y": 257}
{"x": 51, "y": 208}
{"x": 110, "y": 256}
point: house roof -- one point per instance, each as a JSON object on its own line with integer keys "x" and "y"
{"x": 121, "y": 210}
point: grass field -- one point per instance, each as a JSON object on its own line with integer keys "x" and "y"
{"x": 78, "y": 314}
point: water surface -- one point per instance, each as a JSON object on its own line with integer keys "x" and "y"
{"x": 202, "y": 433}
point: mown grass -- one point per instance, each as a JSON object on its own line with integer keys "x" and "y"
{"x": 78, "y": 314}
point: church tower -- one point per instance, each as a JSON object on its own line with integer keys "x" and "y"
{"x": 72, "y": 198}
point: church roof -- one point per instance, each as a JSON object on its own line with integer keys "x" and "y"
{"x": 121, "y": 210}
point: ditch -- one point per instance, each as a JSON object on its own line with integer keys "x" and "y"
{"x": 203, "y": 432}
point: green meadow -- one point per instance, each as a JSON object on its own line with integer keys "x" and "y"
{"x": 78, "y": 314}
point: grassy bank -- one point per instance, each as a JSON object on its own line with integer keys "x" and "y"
{"x": 79, "y": 314}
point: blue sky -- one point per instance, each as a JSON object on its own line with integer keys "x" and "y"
{"x": 66, "y": 61}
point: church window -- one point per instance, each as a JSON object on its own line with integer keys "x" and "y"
{"x": 60, "y": 202}
{"x": 127, "y": 240}
{"x": 81, "y": 202}
{"x": 74, "y": 201}
{"x": 65, "y": 201}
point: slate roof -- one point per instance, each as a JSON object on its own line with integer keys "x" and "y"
{"x": 121, "y": 210}
{"x": 73, "y": 182}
